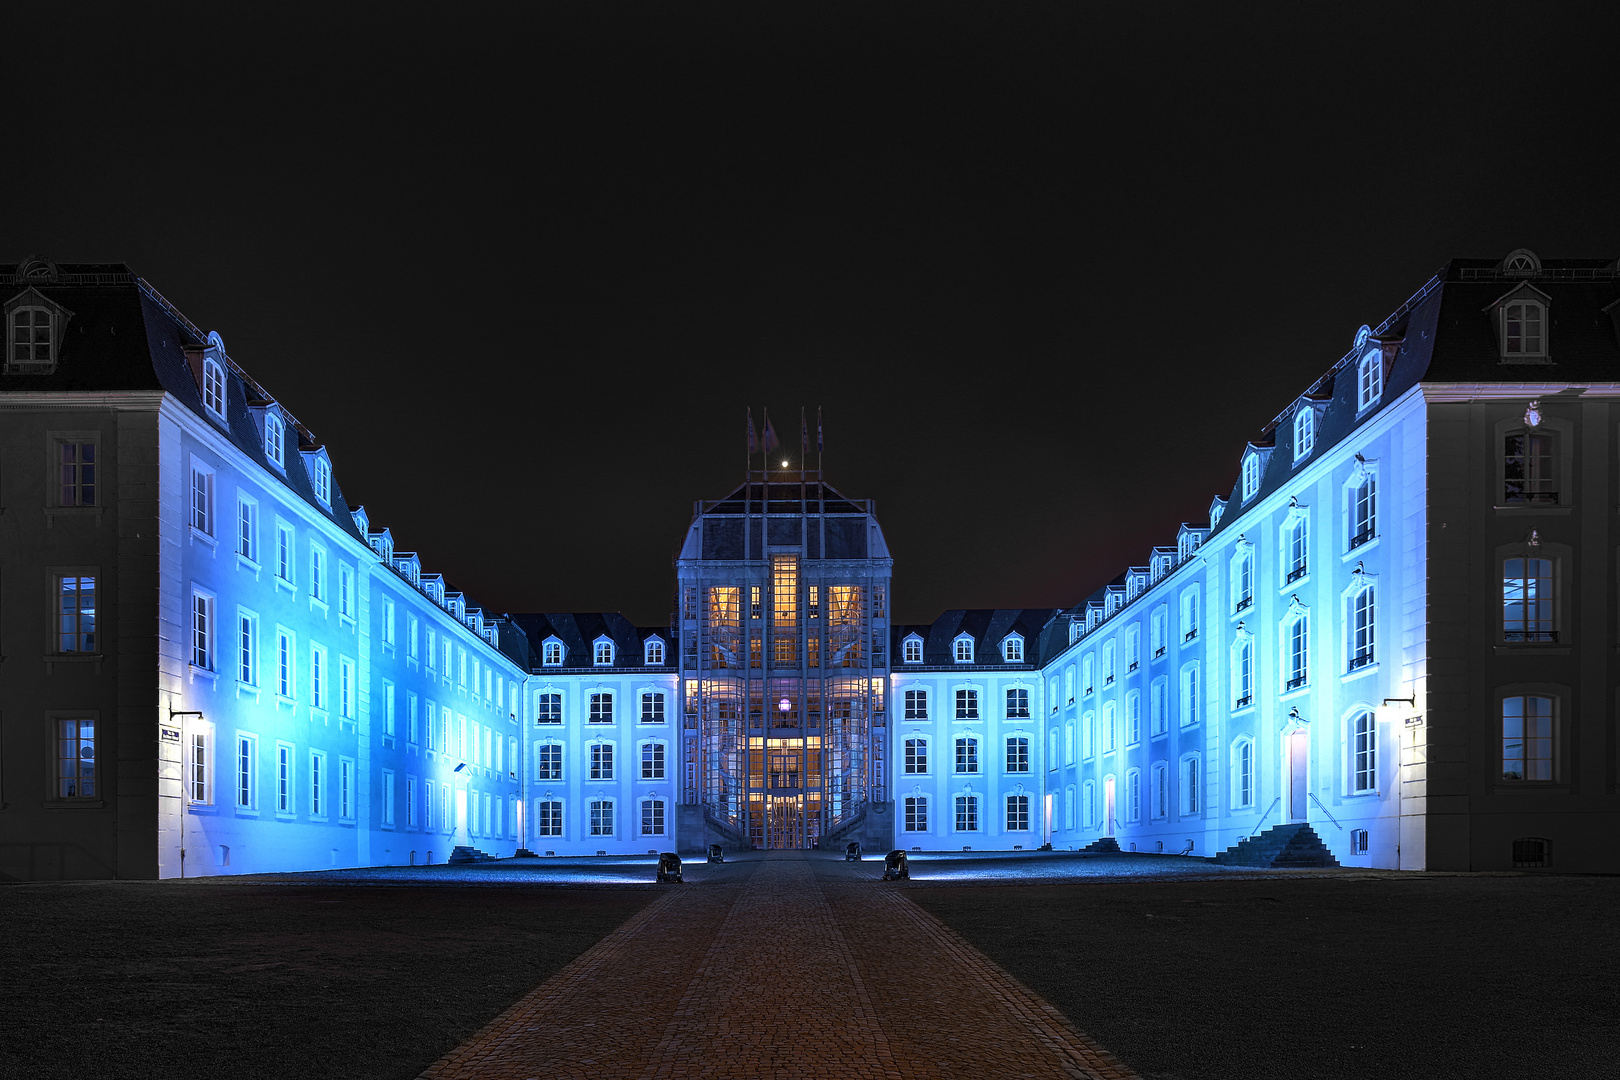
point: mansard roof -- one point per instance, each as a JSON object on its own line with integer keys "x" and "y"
{"x": 578, "y": 631}
{"x": 988, "y": 627}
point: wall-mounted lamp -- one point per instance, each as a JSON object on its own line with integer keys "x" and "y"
{"x": 1402, "y": 708}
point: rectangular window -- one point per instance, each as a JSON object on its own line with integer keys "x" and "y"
{"x": 387, "y": 798}
{"x": 412, "y": 630}
{"x": 76, "y": 476}
{"x": 601, "y": 817}
{"x": 967, "y": 755}
{"x": 388, "y": 709}
{"x": 967, "y": 813}
{"x": 247, "y": 754}
{"x": 346, "y": 687}
{"x": 410, "y": 802}
{"x": 317, "y": 677}
{"x": 652, "y": 817}
{"x": 549, "y": 818}
{"x": 199, "y": 764}
{"x": 1527, "y": 470}
{"x": 284, "y": 778}
{"x": 76, "y": 758}
{"x": 967, "y": 704}
{"x": 1018, "y": 755}
{"x": 317, "y": 573}
{"x": 916, "y": 705}
{"x": 317, "y": 782}
{"x": 1527, "y": 738}
{"x": 1364, "y": 753}
{"x": 550, "y": 711}
{"x": 1018, "y": 704}
{"x": 916, "y": 756}
{"x": 1189, "y": 786}
{"x": 76, "y": 614}
{"x": 247, "y": 648}
{"x": 1363, "y": 624}
{"x": 652, "y": 761}
{"x": 411, "y": 732}
{"x": 202, "y": 631}
{"x": 247, "y": 529}
{"x": 202, "y": 499}
{"x": 601, "y": 761}
{"x": 284, "y": 664}
{"x": 345, "y": 789}
{"x": 284, "y": 552}
{"x": 1527, "y": 600}
{"x": 549, "y": 762}
{"x": 652, "y": 708}
{"x": 346, "y": 594}
{"x": 1298, "y": 636}
{"x": 1364, "y": 511}
{"x": 601, "y": 708}
{"x": 1018, "y": 813}
{"x": 916, "y": 814}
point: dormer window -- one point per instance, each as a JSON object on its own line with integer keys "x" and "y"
{"x": 1370, "y": 380}
{"x": 33, "y": 333}
{"x": 1522, "y": 335}
{"x": 653, "y": 652}
{"x": 322, "y": 478}
{"x": 911, "y": 650}
{"x": 1522, "y": 262}
{"x": 1012, "y": 649}
{"x": 1304, "y": 432}
{"x": 1216, "y": 509}
{"x": 602, "y": 654}
{"x": 962, "y": 649}
{"x": 275, "y": 440}
{"x": 551, "y": 653}
{"x": 1251, "y": 476}
{"x": 213, "y": 387}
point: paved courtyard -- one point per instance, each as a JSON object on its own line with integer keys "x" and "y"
{"x": 778, "y": 965}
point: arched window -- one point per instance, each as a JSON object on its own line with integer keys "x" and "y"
{"x": 1363, "y": 739}
{"x": 1370, "y": 380}
{"x": 1243, "y": 773}
{"x": 967, "y": 813}
{"x": 1110, "y": 728}
{"x": 916, "y": 760}
{"x": 275, "y": 436}
{"x": 1364, "y": 510}
{"x": 214, "y": 388}
{"x": 1527, "y": 600}
{"x": 1296, "y": 542}
{"x": 964, "y": 650}
{"x": 1068, "y": 807}
{"x": 1088, "y": 804}
{"x": 1133, "y": 795}
{"x": 1018, "y": 813}
{"x": 1363, "y": 627}
{"x": 1251, "y": 476}
{"x": 1296, "y": 647}
{"x": 552, "y": 654}
{"x": 967, "y": 755}
{"x": 1161, "y": 791}
{"x": 652, "y": 817}
{"x": 653, "y": 652}
{"x": 1133, "y": 718}
{"x": 916, "y": 813}
{"x": 1189, "y": 694}
{"x": 1242, "y": 578}
{"x": 1243, "y": 672}
{"x": 1191, "y": 785}
{"x": 1304, "y": 432}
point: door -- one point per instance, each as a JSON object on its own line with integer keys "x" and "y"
{"x": 461, "y": 812}
{"x": 1108, "y": 807}
{"x": 1299, "y": 749}
{"x": 782, "y": 822}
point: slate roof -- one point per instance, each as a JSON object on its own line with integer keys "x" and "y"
{"x": 988, "y": 628}
{"x": 578, "y": 632}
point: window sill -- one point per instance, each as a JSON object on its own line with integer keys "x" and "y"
{"x": 1360, "y": 549}
{"x": 317, "y": 604}
{"x": 200, "y": 537}
{"x": 52, "y": 659}
{"x": 1527, "y": 510}
{"x": 1360, "y": 672}
{"x": 74, "y": 804}
{"x": 245, "y": 563}
{"x": 1296, "y": 692}
{"x": 1292, "y": 584}
{"x": 53, "y": 512}
{"x": 248, "y": 690}
{"x": 204, "y": 673}
{"x": 290, "y": 703}
{"x": 346, "y": 620}
{"x": 247, "y": 812}
{"x": 1531, "y": 787}
{"x": 1532, "y": 649}
{"x": 320, "y": 715}
{"x": 283, "y": 583}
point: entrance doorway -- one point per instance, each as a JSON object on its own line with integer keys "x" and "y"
{"x": 1299, "y": 750}
{"x": 1108, "y": 807}
{"x": 783, "y": 820}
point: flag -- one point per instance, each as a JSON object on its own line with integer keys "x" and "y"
{"x": 753, "y": 443}
{"x": 771, "y": 441}
{"x": 804, "y": 434}
{"x": 819, "y": 445}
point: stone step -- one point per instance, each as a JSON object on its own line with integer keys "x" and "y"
{"x": 1293, "y": 845}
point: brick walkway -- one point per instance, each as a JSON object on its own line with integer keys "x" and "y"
{"x": 781, "y": 966}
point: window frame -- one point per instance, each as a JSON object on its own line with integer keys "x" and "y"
{"x": 1369, "y": 379}
{"x": 914, "y": 755}
{"x": 213, "y": 388}
{"x": 911, "y": 649}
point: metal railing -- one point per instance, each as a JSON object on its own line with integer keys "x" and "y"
{"x": 1297, "y": 572}
{"x": 1361, "y": 660}
{"x": 1274, "y": 804}
{"x": 1295, "y": 683}
{"x": 1325, "y": 812}
{"x": 1530, "y": 635}
{"x": 1361, "y": 538}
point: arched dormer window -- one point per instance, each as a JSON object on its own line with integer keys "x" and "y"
{"x": 602, "y": 651}
{"x": 213, "y": 387}
{"x": 1217, "y": 508}
{"x": 1012, "y": 649}
{"x": 320, "y": 476}
{"x": 1304, "y": 432}
{"x": 1370, "y": 380}
{"x": 552, "y": 652}
{"x": 1521, "y": 262}
{"x": 653, "y": 651}
{"x": 1521, "y": 325}
{"x": 275, "y": 440}
{"x": 911, "y": 650}
{"x": 1251, "y": 475}
{"x": 962, "y": 649}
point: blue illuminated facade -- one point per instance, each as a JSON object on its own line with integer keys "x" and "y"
{"x": 1395, "y": 629}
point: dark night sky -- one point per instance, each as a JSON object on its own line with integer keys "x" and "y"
{"x": 1046, "y": 267}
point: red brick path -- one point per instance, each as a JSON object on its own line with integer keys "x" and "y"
{"x": 785, "y": 966}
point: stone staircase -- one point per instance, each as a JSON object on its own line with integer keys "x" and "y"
{"x": 1107, "y": 845}
{"x": 464, "y": 854}
{"x": 1295, "y": 845}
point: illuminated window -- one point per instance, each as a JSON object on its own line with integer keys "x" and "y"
{"x": 1018, "y": 813}
{"x": 275, "y": 441}
{"x": 76, "y": 614}
{"x": 1363, "y": 740}
{"x": 1018, "y": 754}
{"x": 967, "y": 755}
{"x": 213, "y": 386}
{"x": 916, "y": 760}
{"x": 916, "y": 814}
{"x": 967, "y": 813}
{"x": 601, "y": 817}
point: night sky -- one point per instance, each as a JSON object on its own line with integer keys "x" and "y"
{"x": 1044, "y": 267}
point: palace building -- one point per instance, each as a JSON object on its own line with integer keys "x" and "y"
{"x": 1391, "y": 644}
